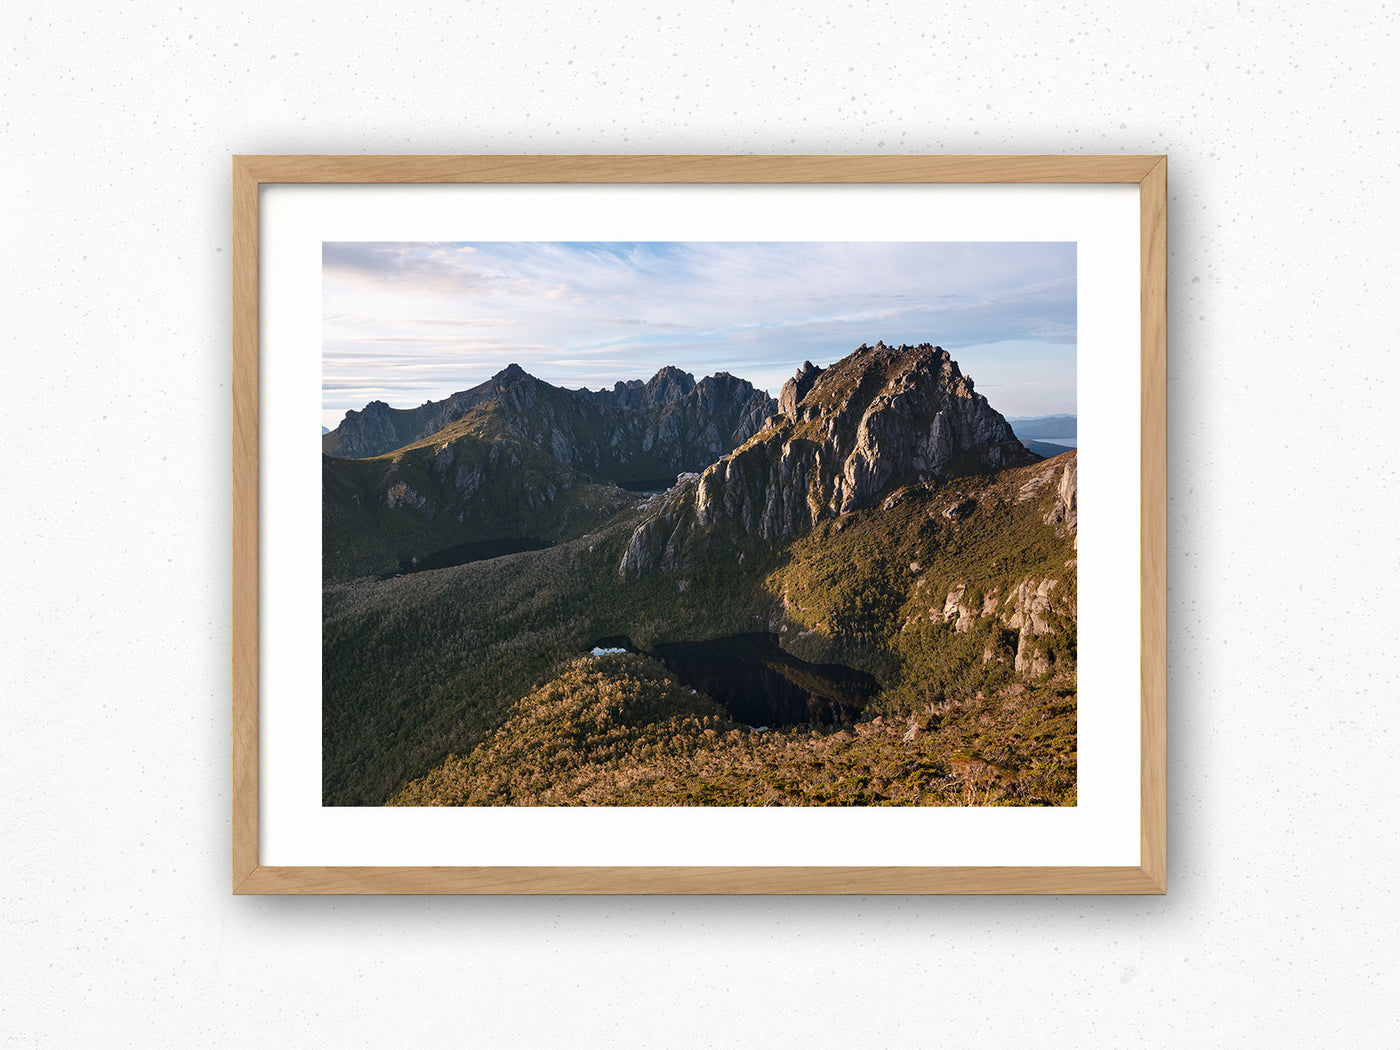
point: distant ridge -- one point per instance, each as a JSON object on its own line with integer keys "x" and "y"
{"x": 1046, "y": 448}
{"x": 516, "y": 458}
{"x": 1044, "y": 426}
{"x": 668, "y": 412}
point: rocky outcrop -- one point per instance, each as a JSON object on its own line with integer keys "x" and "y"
{"x": 1035, "y": 609}
{"x": 378, "y": 428}
{"x": 400, "y": 494}
{"x": 1031, "y": 612}
{"x": 881, "y": 415}
{"x": 795, "y": 389}
{"x": 1065, "y": 514}
{"x": 648, "y": 544}
{"x": 679, "y": 425}
{"x": 959, "y": 510}
{"x": 844, "y": 434}
{"x": 669, "y": 384}
{"x": 373, "y": 429}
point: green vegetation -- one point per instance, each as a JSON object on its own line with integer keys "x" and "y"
{"x": 464, "y": 685}
{"x": 377, "y": 513}
{"x": 871, "y": 589}
{"x": 515, "y": 458}
{"x": 619, "y": 731}
{"x": 421, "y": 665}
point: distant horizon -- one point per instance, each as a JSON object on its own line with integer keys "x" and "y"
{"x": 416, "y": 322}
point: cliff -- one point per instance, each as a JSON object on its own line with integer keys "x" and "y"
{"x": 843, "y": 435}
{"x": 517, "y": 458}
{"x": 635, "y": 433}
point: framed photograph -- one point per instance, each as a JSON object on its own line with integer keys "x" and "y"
{"x": 699, "y": 524}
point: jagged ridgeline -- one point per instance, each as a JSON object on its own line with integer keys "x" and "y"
{"x": 843, "y": 434}
{"x": 516, "y": 461}
{"x": 863, "y": 593}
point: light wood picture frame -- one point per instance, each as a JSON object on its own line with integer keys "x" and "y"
{"x": 252, "y": 173}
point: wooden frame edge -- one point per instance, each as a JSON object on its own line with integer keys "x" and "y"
{"x": 250, "y": 172}
{"x": 697, "y": 168}
{"x": 846, "y": 881}
{"x": 245, "y": 522}
{"x": 1153, "y": 481}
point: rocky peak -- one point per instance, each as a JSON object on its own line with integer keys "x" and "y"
{"x": 373, "y": 429}
{"x": 374, "y": 414}
{"x": 880, "y": 416}
{"x": 636, "y": 429}
{"x": 1064, "y": 515}
{"x": 722, "y": 388}
{"x": 669, "y": 384}
{"x": 795, "y": 389}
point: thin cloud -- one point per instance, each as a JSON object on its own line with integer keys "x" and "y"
{"x": 432, "y": 318}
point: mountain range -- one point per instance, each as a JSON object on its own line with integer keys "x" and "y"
{"x": 842, "y": 436}
{"x": 862, "y": 592}
{"x": 1050, "y": 427}
{"x": 516, "y": 458}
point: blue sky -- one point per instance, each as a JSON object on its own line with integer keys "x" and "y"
{"x": 411, "y": 322}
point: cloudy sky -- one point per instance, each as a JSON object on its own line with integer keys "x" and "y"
{"x": 408, "y": 323}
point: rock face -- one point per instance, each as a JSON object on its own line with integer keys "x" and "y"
{"x": 517, "y": 458}
{"x": 843, "y": 435}
{"x": 374, "y": 428}
{"x": 1037, "y": 606}
{"x": 1032, "y": 611}
{"x": 635, "y": 432}
{"x": 796, "y": 388}
{"x": 378, "y": 428}
{"x": 669, "y": 384}
{"x": 1065, "y": 514}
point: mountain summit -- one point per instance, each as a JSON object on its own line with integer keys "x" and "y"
{"x": 674, "y": 422}
{"x": 516, "y": 458}
{"x": 842, "y": 435}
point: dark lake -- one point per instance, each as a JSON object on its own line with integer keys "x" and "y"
{"x": 759, "y": 684}
{"x": 465, "y": 553}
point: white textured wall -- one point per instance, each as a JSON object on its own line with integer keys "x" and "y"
{"x": 1280, "y": 926}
